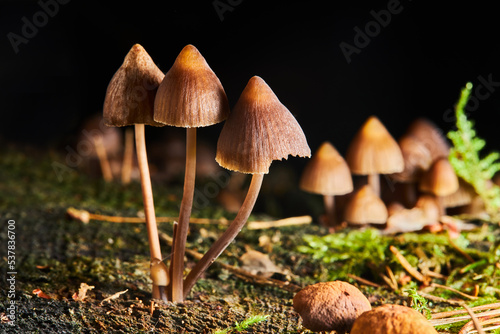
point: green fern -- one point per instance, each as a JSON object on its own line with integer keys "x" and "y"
{"x": 465, "y": 159}
{"x": 244, "y": 325}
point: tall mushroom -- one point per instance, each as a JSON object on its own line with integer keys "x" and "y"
{"x": 260, "y": 129}
{"x": 129, "y": 101}
{"x": 373, "y": 151}
{"x": 189, "y": 96}
{"x": 327, "y": 174}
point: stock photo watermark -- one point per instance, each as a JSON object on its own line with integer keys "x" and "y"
{"x": 30, "y": 26}
{"x": 222, "y": 7}
{"x": 11, "y": 309}
{"x": 362, "y": 37}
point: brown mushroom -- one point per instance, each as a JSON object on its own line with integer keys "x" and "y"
{"x": 260, "y": 129}
{"x": 373, "y": 151}
{"x": 189, "y": 96}
{"x": 392, "y": 319}
{"x": 330, "y": 306}
{"x": 440, "y": 180}
{"x": 365, "y": 207}
{"x": 327, "y": 174}
{"x": 129, "y": 101}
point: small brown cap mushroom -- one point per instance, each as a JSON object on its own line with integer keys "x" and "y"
{"x": 259, "y": 130}
{"x": 326, "y": 173}
{"x": 190, "y": 95}
{"x": 131, "y": 92}
{"x": 462, "y": 196}
{"x": 392, "y": 319}
{"x": 330, "y": 306}
{"x": 365, "y": 207}
{"x": 374, "y": 151}
{"x": 440, "y": 179}
{"x": 417, "y": 159}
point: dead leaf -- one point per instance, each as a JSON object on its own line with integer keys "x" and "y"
{"x": 41, "y": 294}
{"x": 82, "y": 292}
{"x": 258, "y": 263}
{"x": 114, "y": 296}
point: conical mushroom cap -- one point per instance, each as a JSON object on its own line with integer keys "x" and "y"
{"x": 430, "y": 136}
{"x": 131, "y": 92}
{"x": 440, "y": 179}
{"x": 326, "y": 173}
{"x": 190, "y": 95}
{"x": 365, "y": 207}
{"x": 259, "y": 130}
{"x": 374, "y": 151}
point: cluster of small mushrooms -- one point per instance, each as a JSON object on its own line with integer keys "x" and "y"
{"x": 339, "y": 306}
{"x": 258, "y": 130}
{"x": 421, "y": 183}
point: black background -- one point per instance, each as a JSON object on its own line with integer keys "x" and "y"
{"x": 415, "y": 66}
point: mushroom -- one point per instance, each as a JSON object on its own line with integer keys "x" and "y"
{"x": 159, "y": 276}
{"x": 330, "y": 306}
{"x": 440, "y": 180}
{"x": 365, "y": 207}
{"x": 327, "y": 174}
{"x": 373, "y": 151}
{"x": 123, "y": 106}
{"x": 427, "y": 133}
{"x": 189, "y": 96}
{"x": 392, "y": 319}
{"x": 260, "y": 129}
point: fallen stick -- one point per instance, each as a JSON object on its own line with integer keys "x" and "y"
{"x": 407, "y": 266}
{"x": 457, "y": 312}
{"x": 447, "y": 321}
{"x": 435, "y": 285}
{"x": 364, "y": 281}
{"x": 474, "y": 320}
{"x": 85, "y": 217}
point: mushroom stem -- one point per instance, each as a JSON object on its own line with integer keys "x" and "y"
{"x": 128, "y": 154}
{"x": 374, "y": 182}
{"x": 147, "y": 196}
{"x": 329, "y": 202}
{"x": 225, "y": 239}
{"x": 184, "y": 215}
{"x": 103, "y": 158}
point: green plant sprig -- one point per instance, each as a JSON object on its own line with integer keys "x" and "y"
{"x": 244, "y": 325}
{"x": 465, "y": 159}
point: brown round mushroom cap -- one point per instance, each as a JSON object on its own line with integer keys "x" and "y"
{"x": 392, "y": 319}
{"x": 190, "y": 95}
{"x": 374, "y": 151}
{"x": 330, "y": 306}
{"x": 131, "y": 92}
{"x": 462, "y": 196}
{"x": 326, "y": 173}
{"x": 365, "y": 207}
{"x": 259, "y": 130}
{"x": 440, "y": 179}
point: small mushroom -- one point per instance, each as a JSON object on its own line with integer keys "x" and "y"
{"x": 440, "y": 180}
{"x": 365, "y": 207}
{"x": 392, "y": 319}
{"x": 330, "y": 306}
{"x": 373, "y": 151}
{"x": 260, "y": 129}
{"x": 123, "y": 106}
{"x": 159, "y": 276}
{"x": 327, "y": 174}
{"x": 190, "y": 96}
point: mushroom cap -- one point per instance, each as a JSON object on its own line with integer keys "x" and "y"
{"x": 374, "y": 151}
{"x": 430, "y": 206}
{"x": 392, "y": 319}
{"x": 190, "y": 95}
{"x": 417, "y": 159}
{"x": 462, "y": 196}
{"x": 330, "y": 306}
{"x": 440, "y": 179}
{"x": 326, "y": 173}
{"x": 430, "y": 136}
{"x": 131, "y": 92}
{"x": 259, "y": 130}
{"x": 365, "y": 207}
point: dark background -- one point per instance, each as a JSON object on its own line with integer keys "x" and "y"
{"x": 415, "y": 66}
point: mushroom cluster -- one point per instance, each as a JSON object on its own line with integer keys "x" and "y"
{"x": 260, "y": 129}
{"x": 421, "y": 183}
